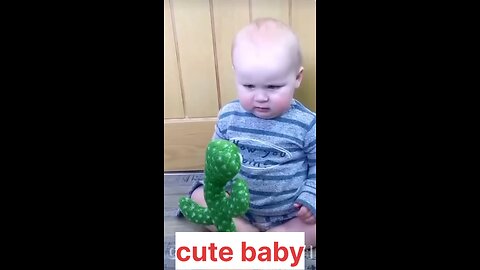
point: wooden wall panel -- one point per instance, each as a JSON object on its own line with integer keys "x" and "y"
{"x": 303, "y": 24}
{"x": 196, "y": 54}
{"x": 185, "y": 143}
{"x": 172, "y": 95}
{"x": 278, "y": 9}
{"x": 229, "y": 17}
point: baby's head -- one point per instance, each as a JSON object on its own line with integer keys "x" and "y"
{"x": 268, "y": 68}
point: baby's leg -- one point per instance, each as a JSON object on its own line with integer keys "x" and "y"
{"x": 297, "y": 225}
{"x": 241, "y": 224}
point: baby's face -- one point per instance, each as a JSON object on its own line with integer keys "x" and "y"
{"x": 266, "y": 81}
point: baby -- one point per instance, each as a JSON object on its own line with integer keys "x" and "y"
{"x": 275, "y": 133}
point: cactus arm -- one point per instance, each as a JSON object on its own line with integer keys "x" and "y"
{"x": 239, "y": 200}
{"x": 194, "y": 212}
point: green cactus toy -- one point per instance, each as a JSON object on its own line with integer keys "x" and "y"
{"x": 223, "y": 162}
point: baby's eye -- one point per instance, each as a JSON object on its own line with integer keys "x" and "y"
{"x": 274, "y": 86}
{"x": 249, "y": 86}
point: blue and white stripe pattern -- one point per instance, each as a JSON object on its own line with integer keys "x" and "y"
{"x": 279, "y": 159}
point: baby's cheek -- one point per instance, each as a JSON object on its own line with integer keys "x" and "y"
{"x": 283, "y": 102}
{"x": 245, "y": 102}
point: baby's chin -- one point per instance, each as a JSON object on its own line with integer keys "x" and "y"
{"x": 265, "y": 114}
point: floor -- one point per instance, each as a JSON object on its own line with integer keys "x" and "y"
{"x": 176, "y": 186}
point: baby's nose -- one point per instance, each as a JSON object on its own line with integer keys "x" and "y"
{"x": 261, "y": 97}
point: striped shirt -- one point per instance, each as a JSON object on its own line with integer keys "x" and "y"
{"x": 279, "y": 157}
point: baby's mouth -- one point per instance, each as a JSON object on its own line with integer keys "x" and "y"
{"x": 262, "y": 109}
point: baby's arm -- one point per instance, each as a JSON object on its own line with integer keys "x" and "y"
{"x": 220, "y": 128}
{"x": 307, "y": 197}
{"x": 218, "y": 133}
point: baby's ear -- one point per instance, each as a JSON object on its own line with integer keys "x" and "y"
{"x": 299, "y": 77}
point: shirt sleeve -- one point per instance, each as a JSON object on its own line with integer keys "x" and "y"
{"x": 308, "y": 193}
{"x": 220, "y": 128}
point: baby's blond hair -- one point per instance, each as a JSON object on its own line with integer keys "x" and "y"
{"x": 269, "y": 31}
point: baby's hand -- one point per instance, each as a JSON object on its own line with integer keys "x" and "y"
{"x": 305, "y": 214}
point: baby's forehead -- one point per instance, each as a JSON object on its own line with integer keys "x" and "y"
{"x": 269, "y": 65}
{"x": 283, "y": 54}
